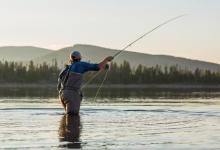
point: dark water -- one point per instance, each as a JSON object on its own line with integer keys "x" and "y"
{"x": 138, "y": 120}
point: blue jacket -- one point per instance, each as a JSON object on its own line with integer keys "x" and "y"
{"x": 77, "y": 67}
{"x": 81, "y": 67}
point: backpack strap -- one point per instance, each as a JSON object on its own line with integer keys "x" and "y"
{"x": 67, "y": 75}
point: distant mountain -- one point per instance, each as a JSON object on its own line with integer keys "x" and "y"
{"x": 96, "y": 54}
{"x": 21, "y": 53}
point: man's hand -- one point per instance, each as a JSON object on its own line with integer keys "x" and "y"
{"x": 102, "y": 65}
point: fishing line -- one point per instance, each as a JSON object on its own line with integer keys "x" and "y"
{"x": 105, "y": 77}
{"x": 129, "y": 45}
{"x": 91, "y": 79}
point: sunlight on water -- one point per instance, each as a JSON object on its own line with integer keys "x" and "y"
{"x": 137, "y": 124}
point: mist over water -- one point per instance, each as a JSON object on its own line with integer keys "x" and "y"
{"x": 118, "y": 119}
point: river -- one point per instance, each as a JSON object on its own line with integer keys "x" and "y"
{"x": 166, "y": 120}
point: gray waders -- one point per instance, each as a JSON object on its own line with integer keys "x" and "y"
{"x": 71, "y": 95}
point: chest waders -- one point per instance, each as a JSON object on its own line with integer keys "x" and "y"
{"x": 70, "y": 93}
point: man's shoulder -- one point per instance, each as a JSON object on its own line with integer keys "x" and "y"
{"x": 82, "y": 63}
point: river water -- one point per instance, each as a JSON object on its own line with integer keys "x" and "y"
{"x": 116, "y": 123}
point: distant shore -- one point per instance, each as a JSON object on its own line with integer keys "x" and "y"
{"x": 117, "y": 86}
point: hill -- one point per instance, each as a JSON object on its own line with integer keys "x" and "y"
{"x": 21, "y": 53}
{"x": 96, "y": 54}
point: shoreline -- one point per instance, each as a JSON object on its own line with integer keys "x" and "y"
{"x": 117, "y": 86}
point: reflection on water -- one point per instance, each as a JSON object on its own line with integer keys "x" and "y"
{"x": 28, "y": 92}
{"x": 116, "y": 93}
{"x": 114, "y": 126}
{"x": 69, "y": 131}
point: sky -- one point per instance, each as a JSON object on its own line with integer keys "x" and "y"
{"x": 113, "y": 24}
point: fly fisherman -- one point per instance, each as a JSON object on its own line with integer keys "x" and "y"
{"x": 70, "y": 80}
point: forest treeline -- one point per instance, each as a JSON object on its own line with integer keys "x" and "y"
{"x": 14, "y": 72}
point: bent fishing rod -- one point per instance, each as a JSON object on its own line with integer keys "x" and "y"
{"x": 130, "y": 44}
{"x": 155, "y": 28}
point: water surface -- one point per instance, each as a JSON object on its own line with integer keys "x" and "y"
{"x": 111, "y": 123}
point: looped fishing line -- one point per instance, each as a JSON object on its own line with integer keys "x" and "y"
{"x": 105, "y": 77}
{"x": 91, "y": 79}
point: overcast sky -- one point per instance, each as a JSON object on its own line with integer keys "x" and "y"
{"x": 114, "y": 23}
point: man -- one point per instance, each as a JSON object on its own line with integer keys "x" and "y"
{"x": 70, "y": 80}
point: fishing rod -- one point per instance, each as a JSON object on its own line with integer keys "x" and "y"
{"x": 129, "y": 45}
{"x": 155, "y": 28}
